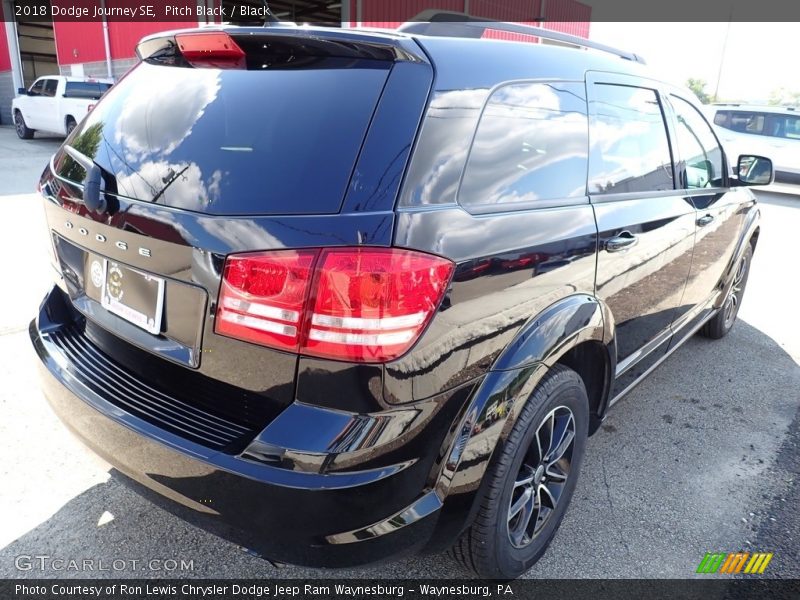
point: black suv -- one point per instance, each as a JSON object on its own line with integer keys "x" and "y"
{"x": 343, "y": 294}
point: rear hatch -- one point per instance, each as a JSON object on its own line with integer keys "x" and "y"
{"x": 276, "y": 135}
{"x": 219, "y": 142}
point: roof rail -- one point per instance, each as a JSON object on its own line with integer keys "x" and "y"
{"x": 454, "y": 24}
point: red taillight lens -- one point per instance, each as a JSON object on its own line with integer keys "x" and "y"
{"x": 263, "y": 297}
{"x": 365, "y": 304}
{"x": 215, "y": 50}
{"x": 372, "y": 304}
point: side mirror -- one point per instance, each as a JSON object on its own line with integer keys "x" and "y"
{"x": 22, "y": 91}
{"x": 755, "y": 170}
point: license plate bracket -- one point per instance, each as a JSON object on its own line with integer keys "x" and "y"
{"x": 133, "y": 295}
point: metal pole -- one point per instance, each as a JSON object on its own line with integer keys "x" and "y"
{"x": 17, "y": 74}
{"x": 722, "y": 58}
{"x": 107, "y": 42}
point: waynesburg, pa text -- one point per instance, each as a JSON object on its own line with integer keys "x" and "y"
{"x": 272, "y": 590}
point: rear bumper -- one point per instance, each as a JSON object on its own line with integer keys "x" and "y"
{"x": 314, "y": 519}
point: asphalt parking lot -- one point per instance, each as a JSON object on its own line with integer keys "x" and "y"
{"x": 703, "y": 456}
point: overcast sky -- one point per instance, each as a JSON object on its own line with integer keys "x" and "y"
{"x": 759, "y": 57}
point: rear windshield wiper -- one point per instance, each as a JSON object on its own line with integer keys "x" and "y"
{"x": 91, "y": 183}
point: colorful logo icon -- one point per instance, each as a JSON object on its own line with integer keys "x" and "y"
{"x": 735, "y": 562}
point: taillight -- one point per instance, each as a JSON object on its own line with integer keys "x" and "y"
{"x": 263, "y": 297}
{"x": 352, "y": 304}
{"x": 213, "y": 49}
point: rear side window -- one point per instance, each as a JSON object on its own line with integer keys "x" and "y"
{"x": 531, "y": 145}
{"x": 85, "y": 89}
{"x": 281, "y": 140}
{"x": 629, "y": 147}
{"x": 700, "y": 152}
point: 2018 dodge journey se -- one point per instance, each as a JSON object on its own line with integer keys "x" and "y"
{"x": 338, "y": 294}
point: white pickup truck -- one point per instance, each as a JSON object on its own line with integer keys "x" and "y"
{"x": 55, "y": 104}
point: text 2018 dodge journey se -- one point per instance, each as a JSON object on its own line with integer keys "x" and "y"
{"x": 339, "y": 295}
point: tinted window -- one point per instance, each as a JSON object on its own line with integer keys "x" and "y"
{"x": 743, "y": 122}
{"x": 277, "y": 141}
{"x": 698, "y": 147}
{"x": 629, "y": 147}
{"x": 531, "y": 145}
{"x": 85, "y": 89}
{"x": 50, "y": 87}
{"x": 37, "y": 88}
{"x": 783, "y": 126}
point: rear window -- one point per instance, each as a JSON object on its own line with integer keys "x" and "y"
{"x": 85, "y": 89}
{"x": 230, "y": 142}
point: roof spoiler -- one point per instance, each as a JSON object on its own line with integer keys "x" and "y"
{"x": 163, "y": 47}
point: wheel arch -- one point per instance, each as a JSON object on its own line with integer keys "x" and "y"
{"x": 577, "y": 332}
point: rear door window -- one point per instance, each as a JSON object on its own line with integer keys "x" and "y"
{"x": 783, "y": 126}
{"x": 629, "y": 147}
{"x": 746, "y": 122}
{"x": 232, "y": 142}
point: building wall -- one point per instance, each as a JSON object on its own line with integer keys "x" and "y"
{"x": 124, "y": 37}
{"x": 83, "y": 43}
{"x": 7, "y": 93}
{"x": 5, "y": 59}
{"x": 6, "y": 81}
{"x": 99, "y": 68}
{"x": 79, "y": 41}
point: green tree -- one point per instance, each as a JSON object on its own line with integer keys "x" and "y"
{"x": 784, "y": 97}
{"x": 698, "y": 86}
{"x": 86, "y": 143}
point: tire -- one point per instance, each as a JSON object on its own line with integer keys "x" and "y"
{"x": 71, "y": 124}
{"x": 719, "y": 326}
{"x": 498, "y": 545}
{"x": 23, "y": 131}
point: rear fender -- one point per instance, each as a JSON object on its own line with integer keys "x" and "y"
{"x": 488, "y": 418}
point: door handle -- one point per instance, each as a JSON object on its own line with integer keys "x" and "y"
{"x": 705, "y": 220}
{"x": 622, "y": 241}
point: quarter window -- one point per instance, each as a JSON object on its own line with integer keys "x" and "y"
{"x": 629, "y": 146}
{"x": 531, "y": 145}
{"x": 700, "y": 152}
